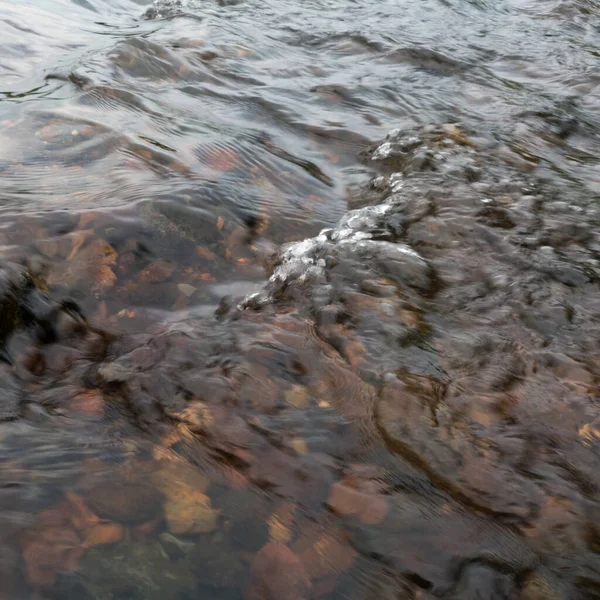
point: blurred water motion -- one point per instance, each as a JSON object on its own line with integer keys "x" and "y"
{"x": 299, "y": 300}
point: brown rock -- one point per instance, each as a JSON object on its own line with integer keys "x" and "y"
{"x": 299, "y": 445}
{"x": 189, "y": 511}
{"x": 90, "y": 266}
{"x": 374, "y": 511}
{"x": 297, "y": 396}
{"x": 49, "y": 551}
{"x": 537, "y": 587}
{"x": 85, "y": 218}
{"x": 177, "y": 474}
{"x": 82, "y": 517}
{"x": 277, "y": 574}
{"x": 327, "y": 556}
{"x": 125, "y": 501}
{"x": 70, "y": 244}
{"x": 126, "y": 262}
{"x": 204, "y": 252}
{"x": 89, "y": 402}
{"x": 104, "y": 533}
{"x": 157, "y": 271}
{"x": 346, "y": 500}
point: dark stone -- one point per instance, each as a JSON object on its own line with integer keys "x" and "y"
{"x": 480, "y": 582}
{"x": 14, "y": 283}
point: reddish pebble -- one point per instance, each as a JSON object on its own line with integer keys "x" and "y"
{"x": 345, "y": 500}
{"x": 49, "y": 551}
{"x": 327, "y": 556}
{"x": 103, "y": 534}
{"x": 374, "y": 511}
{"x": 89, "y": 402}
{"x": 204, "y": 252}
{"x": 277, "y": 574}
{"x": 157, "y": 271}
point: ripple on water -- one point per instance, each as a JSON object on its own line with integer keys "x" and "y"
{"x": 253, "y": 354}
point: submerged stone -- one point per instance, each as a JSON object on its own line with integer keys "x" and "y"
{"x": 443, "y": 337}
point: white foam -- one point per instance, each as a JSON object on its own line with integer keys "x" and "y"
{"x": 353, "y": 235}
{"x": 382, "y": 151}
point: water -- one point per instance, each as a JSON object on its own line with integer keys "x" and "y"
{"x": 299, "y": 300}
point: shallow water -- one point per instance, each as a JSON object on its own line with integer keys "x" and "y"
{"x": 217, "y": 382}
{"x": 220, "y": 116}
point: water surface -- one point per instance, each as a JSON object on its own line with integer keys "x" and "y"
{"x": 408, "y": 408}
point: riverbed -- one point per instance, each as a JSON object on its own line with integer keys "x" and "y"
{"x": 299, "y": 300}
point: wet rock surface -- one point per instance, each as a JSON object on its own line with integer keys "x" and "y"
{"x": 413, "y": 391}
{"x": 14, "y": 283}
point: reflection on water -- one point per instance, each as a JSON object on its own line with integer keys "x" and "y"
{"x": 216, "y": 382}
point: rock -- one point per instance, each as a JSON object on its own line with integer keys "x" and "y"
{"x": 49, "y": 551}
{"x": 218, "y": 563}
{"x": 404, "y": 416}
{"x": 89, "y": 403}
{"x": 14, "y": 283}
{"x": 277, "y": 574}
{"x": 542, "y": 586}
{"x": 114, "y": 373}
{"x": 175, "y": 547}
{"x": 299, "y": 445}
{"x": 104, "y": 533}
{"x": 188, "y": 511}
{"x": 425, "y": 540}
{"x": 346, "y": 500}
{"x": 90, "y": 267}
{"x": 297, "y": 396}
{"x": 400, "y": 263}
{"x": 157, "y": 271}
{"x": 176, "y": 475}
{"x": 204, "y": 252}
{"x": 480, "y": 582}
{"x": 327, "y": 556}
{"x": 131, "y": 502}
{"x": 81, "y": 517}
{"x": 410, "y": 333}
{"x": 132, "y": 570}
{"x": 186, "y": 289}
{"x": 162, "y": 9}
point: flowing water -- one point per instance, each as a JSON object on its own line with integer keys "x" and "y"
{"x": 299, "y": 300}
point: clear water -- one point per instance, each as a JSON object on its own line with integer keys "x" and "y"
{"x": 155, "y": 158}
